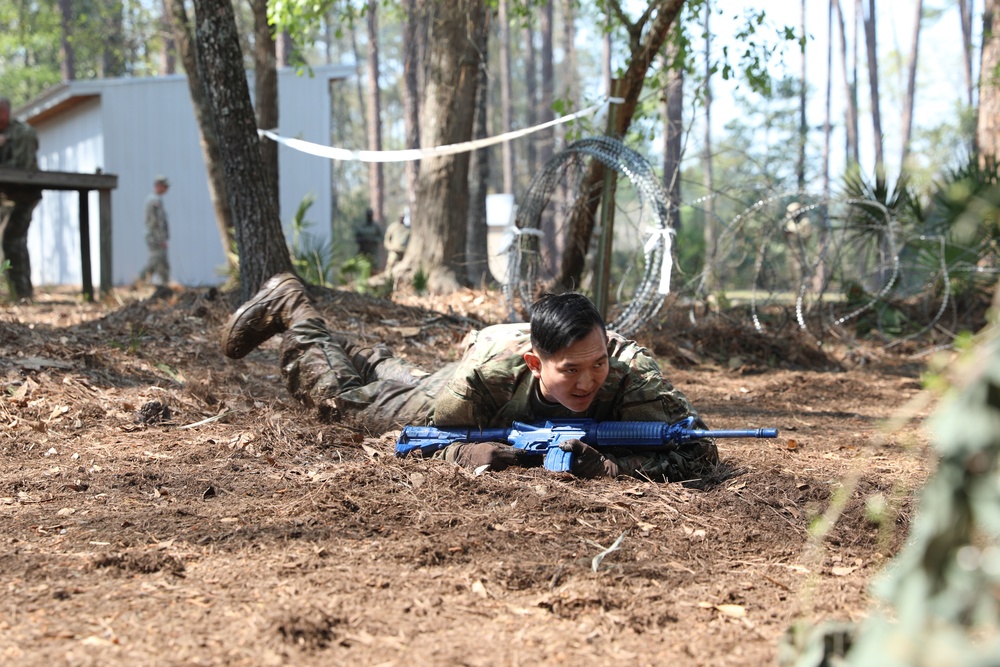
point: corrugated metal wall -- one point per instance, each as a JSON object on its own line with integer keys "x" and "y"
{"x": 139, "y": 128}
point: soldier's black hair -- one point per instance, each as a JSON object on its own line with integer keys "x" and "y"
{"x": 559, "y": 320}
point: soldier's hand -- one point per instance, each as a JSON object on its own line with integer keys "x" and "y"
{"x": 497, "y": 456}
{"x": 587, "y": 461}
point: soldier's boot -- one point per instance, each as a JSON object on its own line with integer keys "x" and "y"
{"x": 279, "y": 304}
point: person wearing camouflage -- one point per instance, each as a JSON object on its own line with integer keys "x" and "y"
{"x": 157, "y": 233}
{"x": 18, "y": 150}
{"x": 564, "y": 364}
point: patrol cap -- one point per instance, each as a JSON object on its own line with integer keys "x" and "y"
{"x": 161, "y": 180}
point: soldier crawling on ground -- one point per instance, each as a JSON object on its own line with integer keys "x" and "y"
{"x": 565, "y": 364}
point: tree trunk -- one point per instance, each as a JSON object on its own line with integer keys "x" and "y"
{"x": 437, "y": 239}
{"x": 872, "y": 56}
{"x": 851, "y": 111}
{"x": 217, "y": 191}
{"x": 67, "y": 55}
{"x": 965, "y": 16}
{"x": 479, "y": 171}
{"x": 827, "y": 118}
{"x": 376, "y": 177}
{"x": 674, "y": 132}
{"x": 411, "y": 97}
{"x": 530, "y": 102}
{"x": 266, "y": 94}
{"x": 708, "y": 279}
{"x": 800, "y": 165}
{"x": 988, "y": 124}
{"x": 506, "y": 149}
{"x": 546, "y": 138}
{"x": 259, "y": 238}
{"x": 168, "y": 52}
{"x": 911, "y": 87}
{"x": 644, "y": 49}
{"x": 112, "y": 55}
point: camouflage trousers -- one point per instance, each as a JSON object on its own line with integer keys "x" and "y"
{"x": 158, "y": 264}
{"x": 15, "y": 240}
{"x": 367, "y": 387}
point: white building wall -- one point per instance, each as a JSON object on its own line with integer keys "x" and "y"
{"x": 72, "y": 142}
{"x": 139, "y": 128}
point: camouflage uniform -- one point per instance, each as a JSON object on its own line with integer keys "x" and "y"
{"x": 157, "y": 234}
{"x": 397, "y": 236}
{"x": 490, "y": 387}
{"x": 19, "y": 151}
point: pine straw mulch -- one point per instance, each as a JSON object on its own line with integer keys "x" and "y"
{"x": 164, "y": 505}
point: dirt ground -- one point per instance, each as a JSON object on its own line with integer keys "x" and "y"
{"x": 163, "y": 505}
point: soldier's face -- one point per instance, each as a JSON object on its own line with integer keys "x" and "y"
{"x": 572, "y": 376}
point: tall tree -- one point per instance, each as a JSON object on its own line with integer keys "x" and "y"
{"x": 113, "y": 53}
{"x": 259, "y": 237}
{"x": 412, "y": 32}
{"x": 476, "y": 253}
{"x": 673, "y": 114}
{"x": 266, "y": 93}
{"x": 438, "y": 236}
{"x": 376, "y": 175}
{"x": 546, "y": 138}
{"x": 988, "y": 124}
{"x": 66, "y": 51}
{"x": 871, "y": 52}
{"x": 183, "y": 33}
{"x": 708, "y": 271}
{"x": 646, "y": 37}
{"x": 531, "y": 98}
{"x": 965, "y": 17}
{"x": 828, "y": 102}
{"x": 911, "y": 85}
{"x": 800, "y": 164}
{"x": 168, "y": 45}
{"x": 850, "y": 99}
{"x": 503, "y": 43}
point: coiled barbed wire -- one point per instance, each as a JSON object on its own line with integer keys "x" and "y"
{"x": 524, "y": 254}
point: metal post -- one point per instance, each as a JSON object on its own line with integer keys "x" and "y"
{"x": 88, "y": 285}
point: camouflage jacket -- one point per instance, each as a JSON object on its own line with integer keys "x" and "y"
{"x": 20, "y": 147}
{"x": 493, "y": 386}
{"x": 157, "y": 230}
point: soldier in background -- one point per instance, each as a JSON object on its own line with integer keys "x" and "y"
{"x": 368, "y": 236}
{"x": 565, "y": 364}
{"x": 157, "y": 233}
{"x": 18, "y": 150}
{"x": 397, "y": 236}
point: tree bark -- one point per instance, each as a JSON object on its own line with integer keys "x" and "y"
{"x": 217, "y": 191}
{"x": 800, "y": 164}
{"x": 530, "y": 102}
{"x": 259, "y": 238}
{"x": 506, "y": 149}
{"x": 266, "y": 94}
{"x": 376, "y": 177}
{"x": 546, "y": 138}
{"x": 660, "y": 15}
{"x": 851, "y": 111}
{"x": 411, "y": 97}
{"x": 911, "y": 86}
{"x": 673, "y": 107}
{"x": 707, "y": 285}
{"x": 872, "y": 57}
{"x": 168, "y": 51}
{"x": 476, "y": 252}
{"x": 988, "y": 123}
{"x": 438, "y": 236}
{"x": 965, "y": 16}
{"x": 67, "y": 54}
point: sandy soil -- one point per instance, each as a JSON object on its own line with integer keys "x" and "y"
{"x": 163, "y": 505}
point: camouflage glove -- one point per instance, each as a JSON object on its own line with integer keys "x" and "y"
{"x": 588, "y": 463}
{"x": 497, "y": 456}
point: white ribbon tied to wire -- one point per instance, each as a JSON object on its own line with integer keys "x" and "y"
{"x": 667, "y": 265}
{"x": 344, "y": 154}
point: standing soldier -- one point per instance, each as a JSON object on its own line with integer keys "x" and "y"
{"x": 397, "y": 236}
{"x": 18, "y": 150}
{"x": 157, "y": 233}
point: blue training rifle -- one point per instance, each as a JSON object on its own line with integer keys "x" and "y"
{"x": 545, "y": 439}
